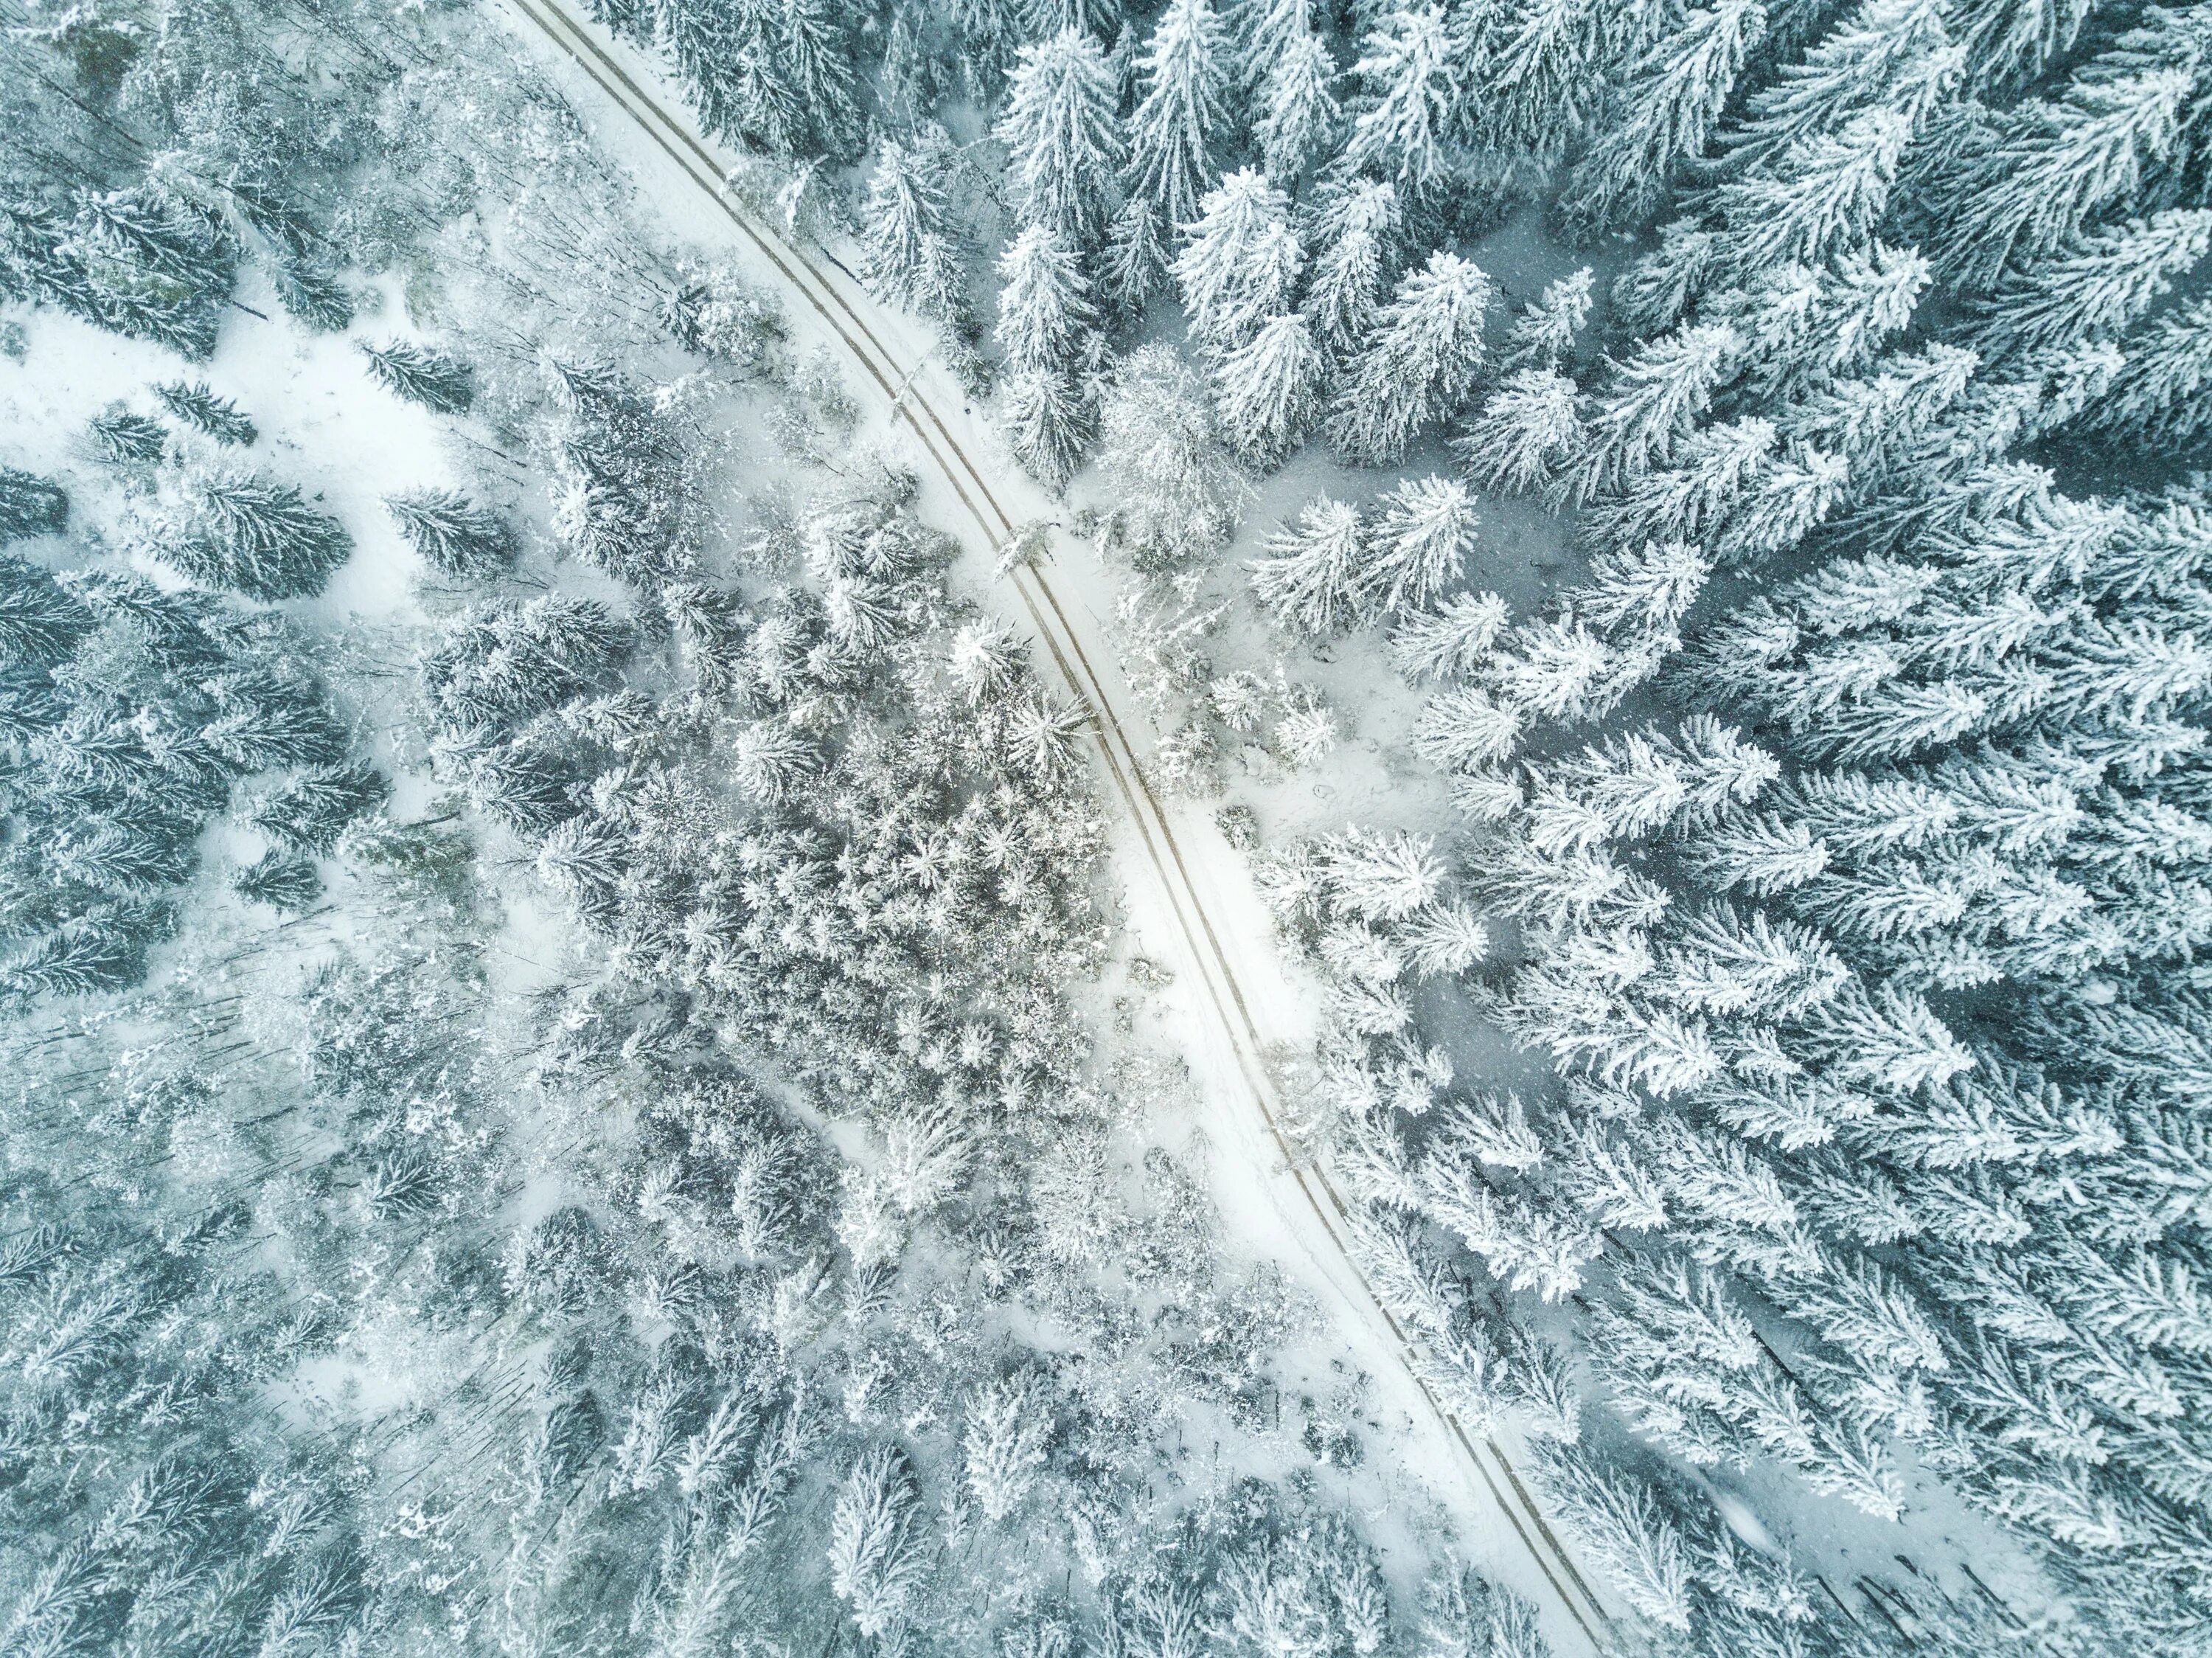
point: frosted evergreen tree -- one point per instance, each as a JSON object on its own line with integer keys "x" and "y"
{"x": 1063, "y": 144}
{"x": 250, "y": 536}
{"x": 1177, "y": 496}
{"x": 1418, "y": 366}
{"x": 439, "y": 382}
{"x": 452, "y": 534}
{"x": 1310, "y": 576}
{"x": 1269, "y": 389}
{"x": 1240, "y": 261}
{"x": 1136, "y": 257}
{"x": 1417, "y": 546}
{"x": 1649, "y": 403}
{"x": 1892, "y": 55}
{"x": 1820, "y": 198}
{"x": 1529, "y": 429}
{"x": 122, "y": 435}
{"x": 2017, "y": 188}
{"x": 1665, "y": 110}
{"x": 2096, "y": 291}
{"x": 1043, "y": 307}
{"x": 1539, "y": 74}
{"x": 30, "y": 505}
{"x": 1299, "y": 117}
{"x": 908, "y": 247}
{"x": 195, "y": 404}
{"x": 1046, "y": 420}
{"x": 2007, "y": 42}
{"x": 1181, "y": 115}
{"x": 2160, "y": 394}
{"x": 1354, "y": 240}
{"x": 1545, "y": 331}
{"x": 1409, "y": 85}
{"x": 1452, "y": 640}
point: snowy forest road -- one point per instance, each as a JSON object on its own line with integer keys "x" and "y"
{"x": 1214, "y": 936}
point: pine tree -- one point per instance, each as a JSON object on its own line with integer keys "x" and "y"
{"x": 819, "y": 67}
{"x": 198, "y": 406}
{"x": 2096, "y": 291}
{"x": 1892, "y": 55}
{"x": 1666, "y": 110}
{"x": 1310, "y": 576}
{"x": 1451, "y": 641}
{"x": 1531, "y": 427}
{"x": 1418, "y": 544}
{"x": 1299, "y": 117}
{"x": 2015, "y": 188}
{"x": 1043, "y": 310}
{"x": 1545, "y": 331}
{"x": 1409, "y": 86}
{"x": 121, "y": 436}
{"x": 908, "y": 246}
{"x": 1354, "y": 238}
{"x": 1136, "y": 260}
{"x": 1177, "y": 496}
{"x": 1648, "y": 404}
{"x": 1240, "y": 261}
{"x": 1540, "y": 77}
{"x": 1269, "y": 389}
{"x": 1008, "y": 1428}
{"x": 1176, "y": 125}
{"x": 1820, "y": 198}
{"x": 2159, "y": 394}
{"x": 283, "y": 880}
{"x": 452, "y": 534}
{"x": 1047, "y": 421}
{"x": 421, "y": 375}
{"x": 1419, "y": 365}
{"x": 1064, "y": 146}
{"x": 30, "y": 505}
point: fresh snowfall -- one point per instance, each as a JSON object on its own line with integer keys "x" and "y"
{"x": 1105, "y": 828}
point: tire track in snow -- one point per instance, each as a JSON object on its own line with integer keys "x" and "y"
{"x": 1231, "y": 1008}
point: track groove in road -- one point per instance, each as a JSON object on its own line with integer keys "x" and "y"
{"x": 1485, "y": 1455}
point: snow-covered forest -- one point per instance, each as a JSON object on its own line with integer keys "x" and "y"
{"x": 1280, "y": 828}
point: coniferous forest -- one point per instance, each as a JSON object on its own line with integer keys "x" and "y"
{"x": 1105, "y": 828}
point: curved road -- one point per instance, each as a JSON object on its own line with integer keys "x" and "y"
{"x": 1187, "y": 903}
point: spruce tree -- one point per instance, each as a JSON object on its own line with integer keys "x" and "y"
{"x": 452, "y": 534}
{"x": 1310, "y": 577}
{"x": 198, "y": 406}
{"x": 1064, "y": 146}
{"x": 1043, "y": 307}
{"x": 1268, "y": 388}
{"x": 250, "y": 536}
{"x": 1240, "y": 261}
{"x": 1299, "y": 117}
{"x": 1416, "y": 547}
{"x": 30, "y": 505}
{"x": 907, "y": 244}
{"x": 1419, "y": 364}
{"x": 422, "y": 375}
{"x": 122, "y": 435}
{"x": 1409, "y": 86}
{"x": 1354, "y": 238}
{"x": 1180, "y": 117}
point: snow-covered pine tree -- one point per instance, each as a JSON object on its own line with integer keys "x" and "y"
{"x": 1044, "y": 309}
{"x": 1418, "y": 366}
{"x": 1416, "y": 547}
{"x": 1527, "y": 430}
{"x": 30, "y": 505}
{"x": 1409, "y": 88}
{"x": 1545, "y": 331}
{"x": 1310, "y": 576}
{"x": 1299, "y": 117}
{"x": 1240, "y": 261}
{"x": 1662, "y": 112}
{"x": 195, "y": 404}
{"x": 422, "y": 375}
{"x": 122, "y": 435}
{"x": 1063, "y": 147}
{"x": 1353, "y": 237}
{"x": 1181, "y": 116}
{"x": 452, "y": 533}
{"x": 908, "y": 245}
{"x": 249, "y": 535}
{"x": 1269, "y": 389}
